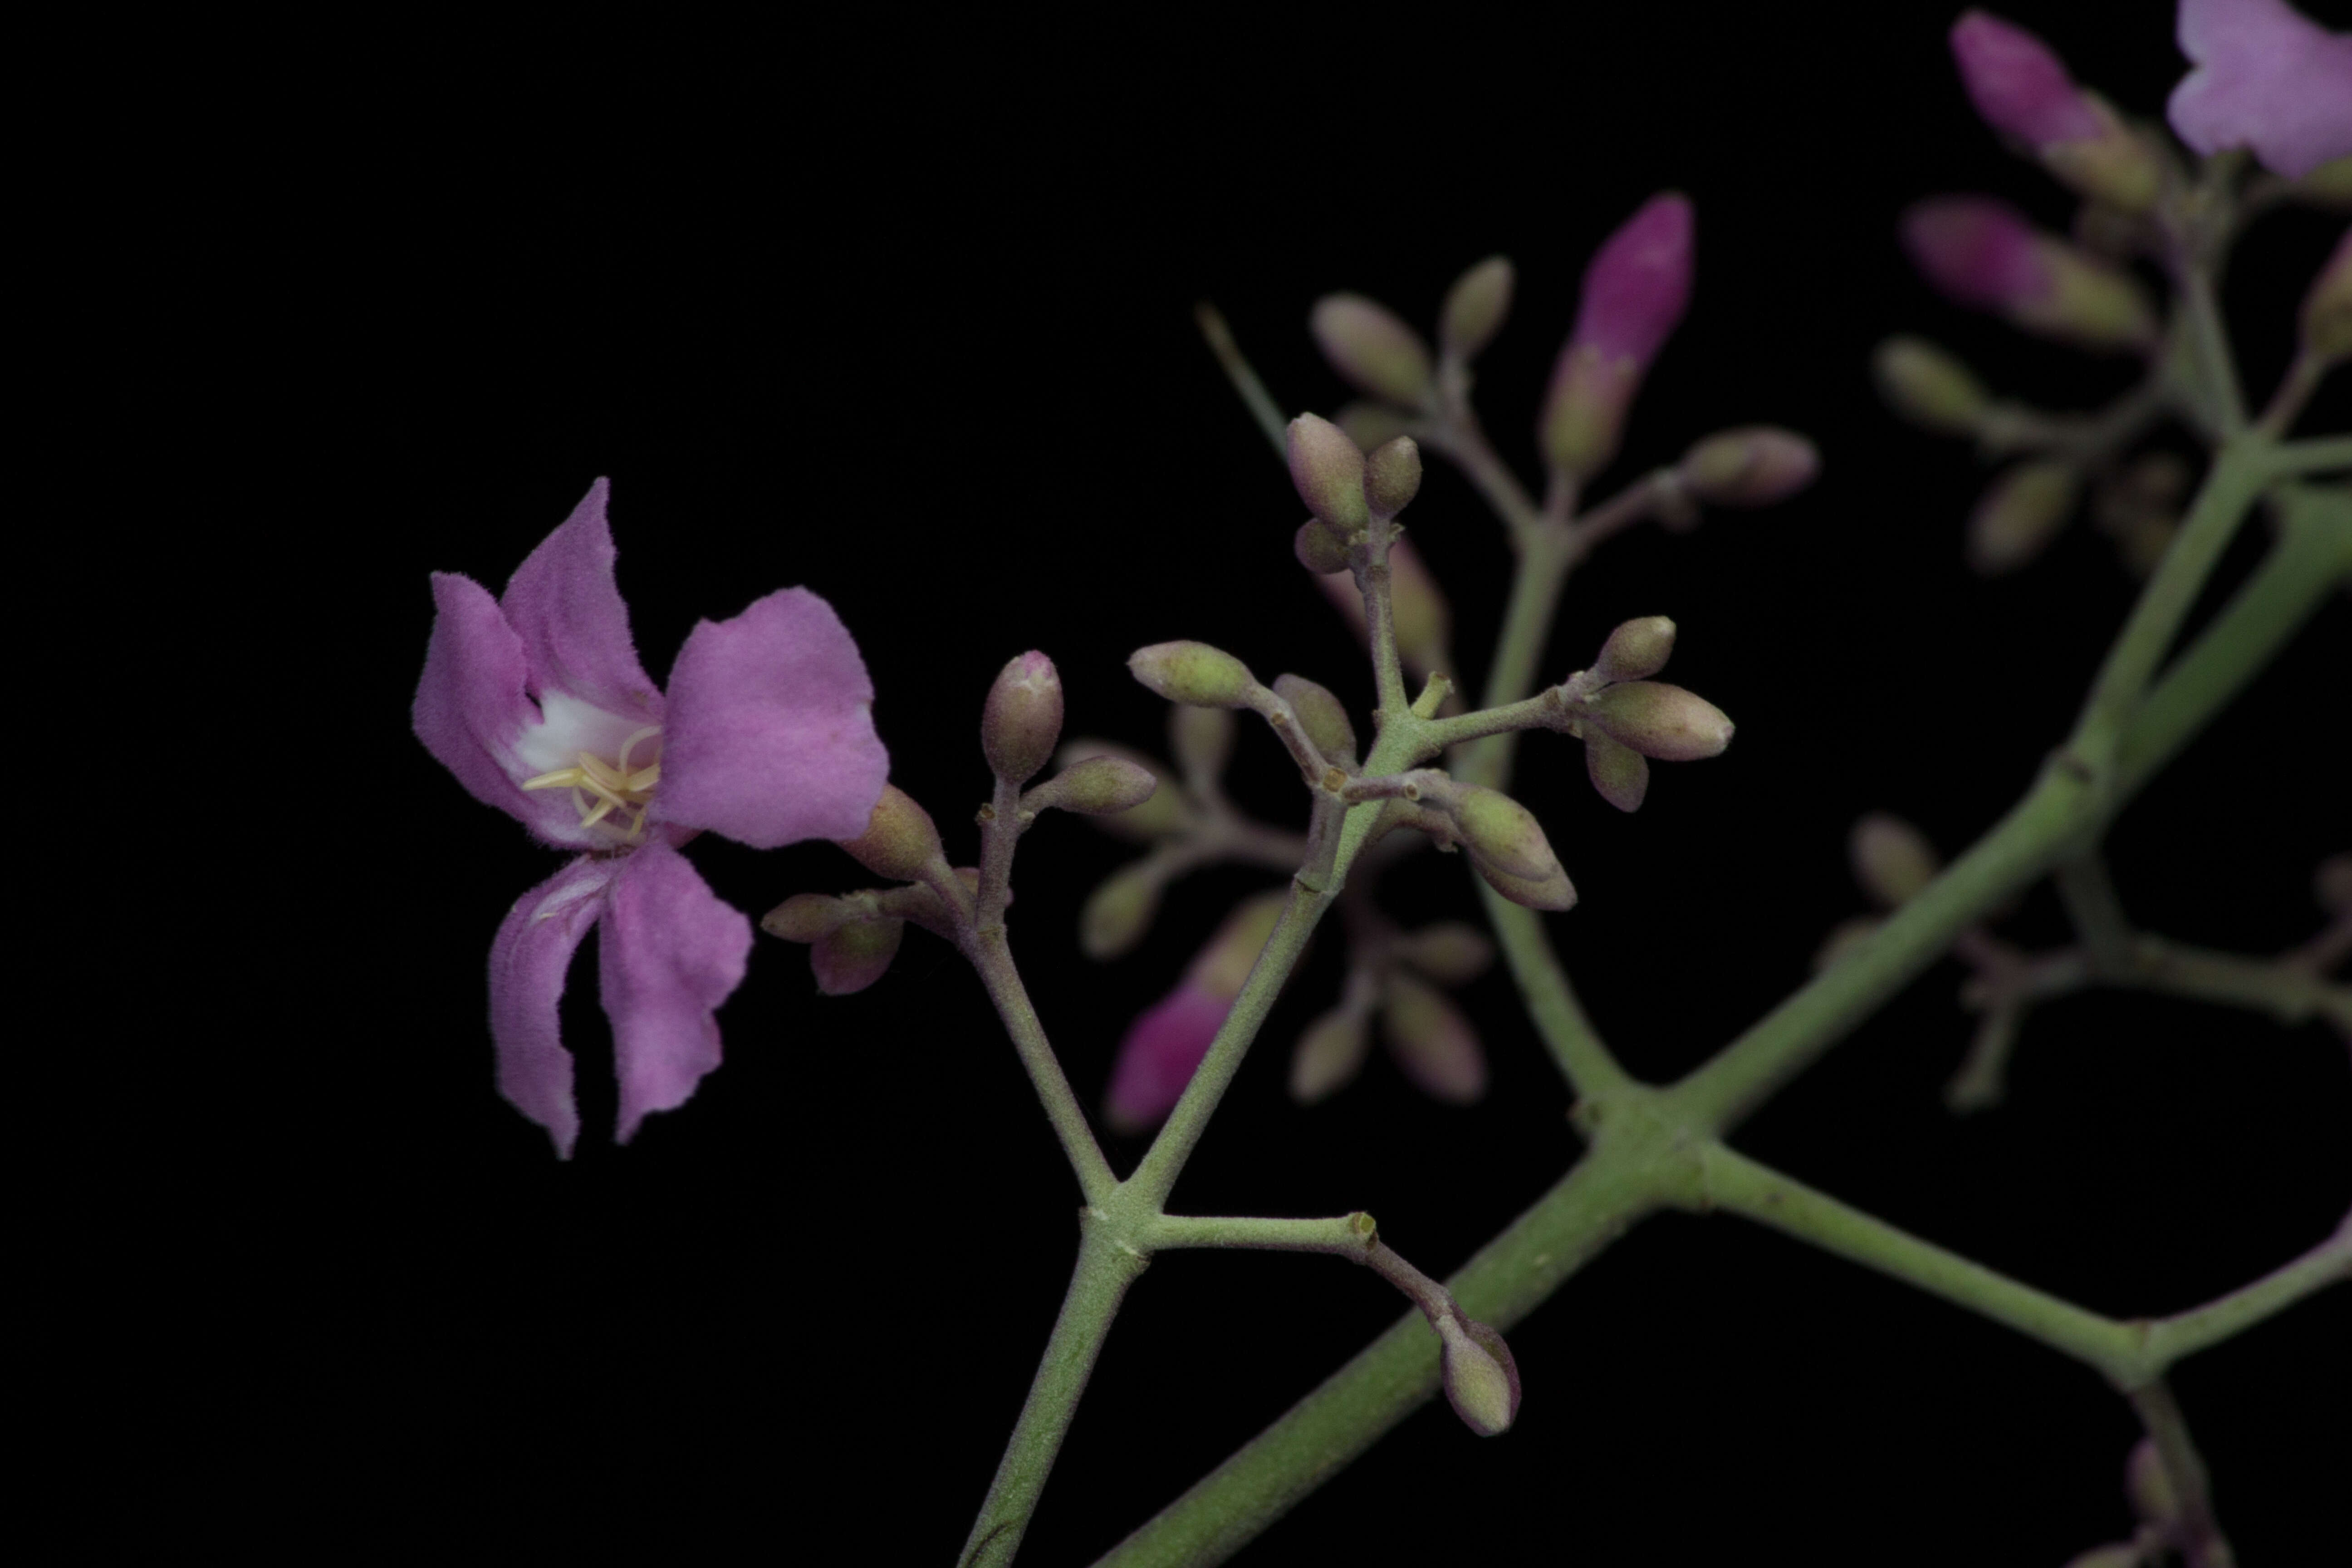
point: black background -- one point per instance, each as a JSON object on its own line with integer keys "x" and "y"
{"x": 903, "y": 314}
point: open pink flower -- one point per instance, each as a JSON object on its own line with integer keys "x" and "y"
{"x": 2267, "y": 78}
{"x": 536, "y": 701}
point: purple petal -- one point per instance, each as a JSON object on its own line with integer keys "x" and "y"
{"x": 1163, "y": 1049}
{"x": 562, "y": 603}
{"x": 2267, "y": 78}
{"x": 1638, "y": 282}
{"x": 528, "y": 960}
{"x": 770, "y": 737}
{"x": 2019, "y": 87}
{"x": 671, "y": 952}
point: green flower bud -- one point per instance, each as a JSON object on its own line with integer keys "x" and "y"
{"x": 1505, "y": 834}
{"x": 1322, "y": 716}
{"x": 900, "y": 841}
{"x": 1753, "y": 465}
{"x": 1095, "y": 787}
{"x": 1329, "y": 1055}
{"x": 1554, "y": 892}
{"x": 1167, "y": 812}
{"x": 2090, "y": 302}
{"x": 1892, "y": 860}
{"x": 1584, "y": 412}
{"x": 1432, "y": 1042}
{"x": 1482, "y": 1380}
{"x": 1328, "y": 470}
{"x": 804, "y": 917}
{"x": 1449, "y": 953}
{"x": 1636, "y": 649}
{"x": 1392, "y": 476}
{"x": 1023, "y": 718}
{"x": 2021, "y": 511}
{"x": 1621, "y": 774}
{"x": 1193, "y": 673}
{"x": 2121, "y": 168}
{"x": 1662, "y": 721}
{"x": 1318, "y": 549}
{"x": 1372, "y": 349}
{"x": 1370, "y": 425}
{"x": 1117, "y": 913}
{"x": 1474, "y": 308}
{"x": 855, "y": 956}
{"x": 1929, "y": 387}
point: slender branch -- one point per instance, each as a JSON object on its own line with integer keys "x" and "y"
{"x": 999, "y": 831}
{"x": 2176, "y": 1338}
{"x": 1540, "y": 711}
{"x": 2089, "y": 895}
{"x": 1459, "y": 437}
{"x": 1380, "y": 626}
{"x": 2201, "y": 1535}
{"x": 990, "y": 955}
{"x": 1237, "y": 369}
{"x": 2208, "y": 345}
{"x": 1347, "y": 1236}
{"x": 1568, "y": 1033}
{"x": 1645, "y": 497}
{"x": 2294, "y": 389}
{"x": 1519, "y": 648}
{"x": 2321, "y": 455}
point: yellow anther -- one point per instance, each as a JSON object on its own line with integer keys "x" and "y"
{"x": 600, "y": 789}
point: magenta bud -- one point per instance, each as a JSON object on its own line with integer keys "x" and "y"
{"x": 1449, "y": 953}
{"x": 1318, "y": 549}
{"x": 1475, "y": 309}
{"x": 1095, "y": 787}
{"x": 2020, "y": 512}
{"x": 1983, "y": 253}
{"x": 1634, "y": 292}
{"x": 1329, "y": 1055}
{"x": 805, "y": 917}
{"x": 1929, "y": 387}
{"x": 1392, "y": 476}
{"x": 1430, "y": 1040}
{"x": 1322, "y": 716}
{"x": 1023, "y": 718}
{"x": 1372, "y": 349}
{"x": 1892, "y": 860}
{"x": 1755, "y": 465}
{"x": 854, "y": 956}
{"x": 900, "y": 840}
{"x": 1193, "y": 673}
{"x": 1619, "y": 773}
{"x": 2328, "y": 308}
{"x": 1328, "y": 471}
{"x": 2023, "y": 91}
{"x": 1636, "y": 650}
{"x": 1482, "y": 1379}
{"x": 1164, "y": 1047}
{"x": 1662, "y": 721}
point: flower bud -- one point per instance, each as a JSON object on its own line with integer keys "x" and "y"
{"x": 1753, "y": 465}
{"x": 1431, "y": 1039}
{"x": 2149, "y": 1486}
{"x": 2019, "y": 515}
{"x": 1023, "y": 718}
{"x": 1505, "y": 834}
{"x": 854, "y": 956}
{"x": 1165, "y": 1045}
{"x": 1369, "y": 424}
{"x": 1634, "y": 292}
{"x": 1318, "y": 549}
{"x": 1892, "y": 860}
{"x": 1474, "y": 308}
{"x": 1329, "y": 1054}
{"x": 1982, "y": 252}
{"x": 2023, "y": 91}
{"x": 1619, "y": 773}
{"x": 1322, "y": 716}
{"x": 804, "y": 917}
{"x": 1482, "y": 1380}
{"x": 1554, "y": 892}
{"x": 1371, "y": 350}
{"x": 1662, "y": 721}
{"x": 1098, "y": 786}
{"x": 2327, "y": 309}
{"x": 1117, "y": 913}
{"x": 1928, "y": 387}
{"x": 1193, "y": 673}
{"x": 1164, "y": 813}
{"x": 900, "y": 842}
{"x": 1844, "y": 938}
{"x": 1449, "y": 953}
{"x": 1636, "y": 649}
{"x": 1392, "y": 476}
{"x": 1202, "y": 739}
{"x": 1328, "y": 470}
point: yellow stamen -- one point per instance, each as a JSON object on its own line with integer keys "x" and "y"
{"x": 599, "y": 788}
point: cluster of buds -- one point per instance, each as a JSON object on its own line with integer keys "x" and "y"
{"x": 2139, "y": 202}
{"x": 1625, "y": 718}
{"x": 1400, "y": 979}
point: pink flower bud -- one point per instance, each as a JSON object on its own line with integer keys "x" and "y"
{"x": 2019, "y": 515}
{"x": 1193, "y": 673}
{"x": 1982, "y": 252}
{"x": 1329, "y": 1055}
{"x": 1327, "y": 469}
{"x": 1392, "y": 476}
{"x": 1754, "y": 465}
{"x": 1619, "y": 773}
{"x": 2267, "y": 78}
{"x": 1321, "y": 715}
{"x": 1164, "y": 1047}
{"x": 1636, "y": 650}
{"x": 2327, "y": 309}
{"x": 1634, "y": 292}
{"x": 900, "y": 841}
{"x": 1432, "y": 1041}
{"x": 2023, "y": 91}
{"x": 854, "y": 956}
{"x": 1372, "y": 349}
{"x": 1023, "y": 718}
{"x": 1662, "y": 721}
{"x": 1482, "y": 1379}
{"x": 1475, "y": 309}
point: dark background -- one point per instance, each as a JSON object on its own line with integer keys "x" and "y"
{"x": 904, "y": 315}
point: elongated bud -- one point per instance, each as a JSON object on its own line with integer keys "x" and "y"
{"x": 1982, "y": 252}
{"x": 1117, "y": 913}
{"x": 1164, "y": 1047}
{"x": 900, "y": 841}
{"x": 1505, "y": 834}
{"x": 1929, "y": 387}
{"x": 1619, "y": 773}
{"x": 1329, "y": 1055}
{"x": 1318, "y": 549}
{"x": 1023, "y": 718}
{"x": 1370, "y": 425}
{"x": 1753, "y": 465}
{"x": 1449, "y": 953}
{"x": 1637, "y": 649}
{"x": 1475, "y": 309}
{"x": 2149, "y": 1486}
{"x": 1202, "y": 739}
{"x": 2023, "y": 91}
{"x": 1482, "y": 1379}
{"x": 2019, "y": 515}
{"x": 855, "y": 956}
{"x": 1193, "y": 673}
{"x": 1430, "y": 1040}
{"x": 1554, "y": 892}
{"x": 1392, "y": 476}
{"x": 804, "y": 917}
{"x": 1165, "y": 812}
{"x": 1096, "y": 787}
{"x": 2327, "y": 309}
{"x": 1635, "y": 293}
{"x": 1892, "y": 860}
{"x": 1321, "y": 715}
{"x": 1663, "y": 721}
{"x": 1372, "y": 349}
{"x": 1328, "y": 470}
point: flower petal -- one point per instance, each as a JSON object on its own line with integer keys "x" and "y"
{"x": 528, "y": 960}
{"x": 563, "y": 604}
{"x": 771, "y": 736}
{"x": 671, "y": 952}
{"x": 2267, "y": 78}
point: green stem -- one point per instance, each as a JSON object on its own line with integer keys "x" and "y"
{"x": 1237, "y": 369}
{"x": 2173, "y": 1338}
{"x": 992, "y": 957}
{"x": 2200, "y": 1534}
{"x": 2284, "y": 991}
{"x": 1575, "y": 1046}
{"x": 1550, "y": 551}
{"x": 1349, "y": 1236}
{"x": 2315, "y": 457}
{"x": 2089, "y": 895}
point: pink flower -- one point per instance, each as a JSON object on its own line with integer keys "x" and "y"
{"x": 2266, "y": 77}
{"x": 536, "y": 701}
{"x": 1635, "y": 290}
{"x": 1164, "y": 1046}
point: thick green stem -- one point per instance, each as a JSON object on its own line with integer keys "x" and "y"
{"x": 1349, "y": 1236}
